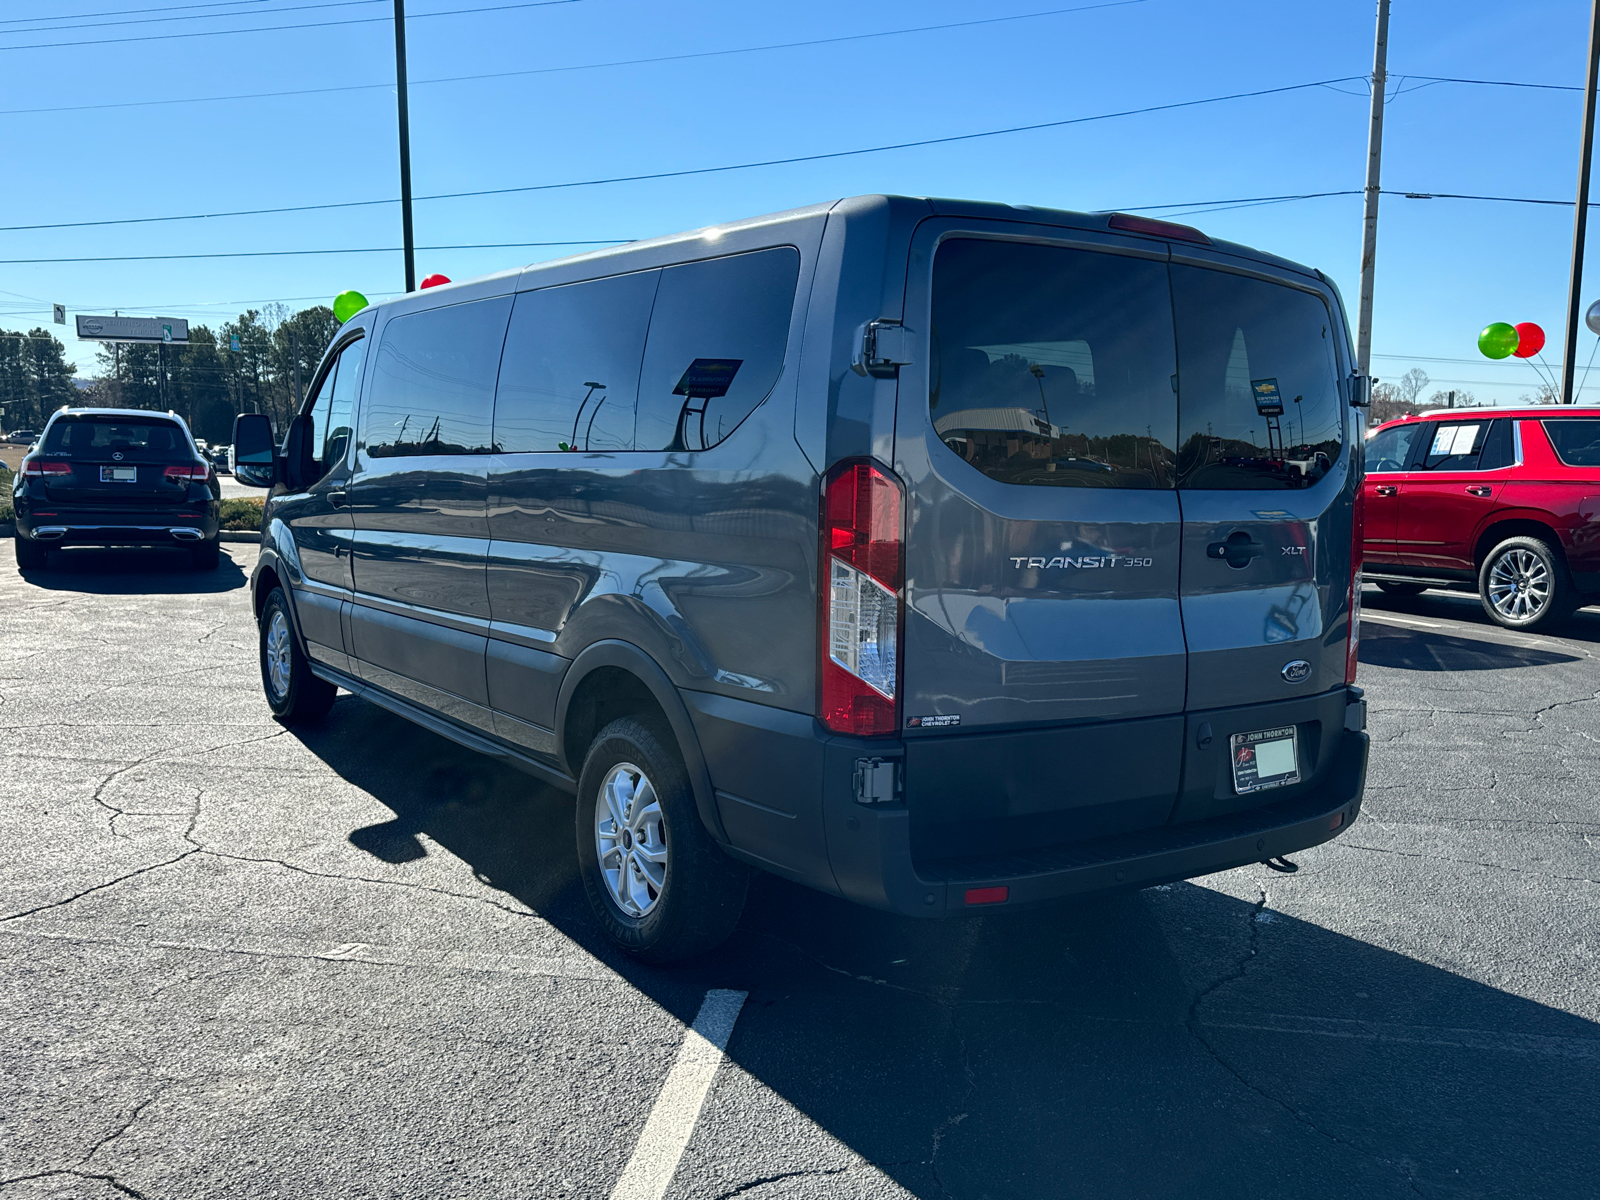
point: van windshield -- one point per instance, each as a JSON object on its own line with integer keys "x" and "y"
{"x": 148, "y": 439}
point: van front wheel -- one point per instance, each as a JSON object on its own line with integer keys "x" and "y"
{"x": 660, "y": 886}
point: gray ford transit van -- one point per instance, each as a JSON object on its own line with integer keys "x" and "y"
{"x": 937, "y": 555}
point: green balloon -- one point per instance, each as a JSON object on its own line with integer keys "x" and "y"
{"x": 348, "y": 304}
{"x": 1496, "y": 341}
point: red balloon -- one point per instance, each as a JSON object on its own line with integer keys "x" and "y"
{"x": 435, "y": 280}
{"x": 1530, "y": 339}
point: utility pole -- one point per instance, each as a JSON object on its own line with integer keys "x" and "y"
{"x": 405, "y": 142}
{"x": 1369, "y": 219}
{"x": 1580, "y": 219}
{"x": 294, "y": 338}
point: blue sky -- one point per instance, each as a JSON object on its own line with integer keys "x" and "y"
{"x": 1446, "y": 267}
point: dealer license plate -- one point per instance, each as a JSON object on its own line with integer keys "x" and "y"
{"x": 1268, "y": 758}
{"x": 119, "y": 474}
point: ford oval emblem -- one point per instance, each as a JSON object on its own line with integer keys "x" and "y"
{"x": 1297, "y": 671}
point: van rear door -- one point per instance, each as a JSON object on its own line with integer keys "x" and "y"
{"x": 1266, "y": 481}
{"x": 1044, "y": 656}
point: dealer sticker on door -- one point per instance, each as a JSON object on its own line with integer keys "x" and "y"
{"x": 1268, "y": 758}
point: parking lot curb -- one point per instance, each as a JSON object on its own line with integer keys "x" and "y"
{"x": 239, "y": 535}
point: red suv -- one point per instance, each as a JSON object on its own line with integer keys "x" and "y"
{"x": 1507, "y": 500}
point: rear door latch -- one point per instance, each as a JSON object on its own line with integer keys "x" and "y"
{"x": 877, "y": 781}
{"x": 885, "y": 348}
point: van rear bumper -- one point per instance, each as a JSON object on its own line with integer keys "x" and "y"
{"x": 872, "y": 862}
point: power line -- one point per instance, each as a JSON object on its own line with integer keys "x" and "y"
{"x": 199, "y": 33}
{"x": 289, "y": 253}
{"x": 1510, "y": 83}
{"x": 1496, "y": 199}
{"x": 1203, "y": 206}
{"x": 260, "y": 12}
{"x": 688, "y": 171}
{"x": 626, "y": 62}
{"x": 120, "y": 12}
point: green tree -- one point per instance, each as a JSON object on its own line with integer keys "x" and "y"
{"x": 35, "y": 377}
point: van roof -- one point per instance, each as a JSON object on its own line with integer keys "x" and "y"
{"x": 913, "y": 207}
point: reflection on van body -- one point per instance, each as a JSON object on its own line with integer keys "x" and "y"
{"x": 635, "y": 521}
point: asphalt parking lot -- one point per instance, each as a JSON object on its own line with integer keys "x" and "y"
{"x": 355, "y": 961}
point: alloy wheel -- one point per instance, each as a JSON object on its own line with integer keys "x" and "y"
{"x": 1519, "y": 585}
{"x": 279, "y": 648}
{"x": 630, "y": 839}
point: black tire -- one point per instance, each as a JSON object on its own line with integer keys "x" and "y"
{"x": 302, "y": 697}
{"x": 1402, "y": 589}
{"x": 206, "y": 555}
{"x": 30, "y": 555}
{"x": 701, "y": 890}
{"x": 1523, "y": 584}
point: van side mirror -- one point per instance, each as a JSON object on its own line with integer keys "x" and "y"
{"x": 253, "y": 457}
{"x": 1360, "y": 391}
{"x": 299, "y": 465}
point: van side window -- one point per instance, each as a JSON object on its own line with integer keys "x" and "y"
{"x": 1576, "y": 440}
{"x": 569, "y": 378}
{"x": 1053, "y": 367}
{"x": 432, "y": 386}
{"x": 716, "y": 347}
{"x": 333, "y": 440}
{"x": 1258, "y": 393}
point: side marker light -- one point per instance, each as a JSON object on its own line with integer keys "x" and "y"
{"x": 988, "y": 895}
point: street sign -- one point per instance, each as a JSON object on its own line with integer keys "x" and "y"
{"x": 233, "y": 341}
{"x": 59, "y": 311}
{"x": 133, "y": 329}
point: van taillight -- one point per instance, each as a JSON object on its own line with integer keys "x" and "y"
{"x": 862, "y": 568}
{"x": 1358, "y": 541}
{"x": 40, "y": 469}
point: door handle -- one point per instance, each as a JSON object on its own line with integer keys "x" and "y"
{"x": 337, "y": 499}
{"x": 1480, "y": 490}
{"x": 1237, "y": 550}
{"x": 1386, "y": 490}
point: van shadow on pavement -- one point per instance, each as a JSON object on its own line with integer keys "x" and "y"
{"x": 133, "y": 572}
{"x": 1427, "y": 650}
{"x": 1174, "y": 1042}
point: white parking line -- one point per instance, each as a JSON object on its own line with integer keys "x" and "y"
{"x": 677, "y": 1108}
{"x": 1386, "y": 617}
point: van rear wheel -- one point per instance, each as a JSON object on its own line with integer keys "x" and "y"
{"x": 660, "y": 886}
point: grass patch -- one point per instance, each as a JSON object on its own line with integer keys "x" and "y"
{"x": 6, "y": 513}
{"x": 241, "y": 514}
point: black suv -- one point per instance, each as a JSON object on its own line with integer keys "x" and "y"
{"x": 115, "y": 477}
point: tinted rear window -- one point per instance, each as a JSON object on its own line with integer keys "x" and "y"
{"x": 1053, "y": 367}
{"x": 1258, "y": 391}
{"x": 146, "y": 439}
{"x": 1576, "y": 439}
{"x": 431, "y": 389}
{"x": 716, "y": 347}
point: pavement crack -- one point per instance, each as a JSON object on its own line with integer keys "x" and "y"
{"x": 402, "y": 883}
{"x": 99, "y": 887}
{"x": 810, "y": 1173}
{"x": 1468, "y": 862}
{"x": 110, "y": 1181}
{"x": 1257, "y": 917}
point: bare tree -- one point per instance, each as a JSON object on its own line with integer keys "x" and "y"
{"x": 1546, "y": 394}
{"x": 1412, "y": 384}
{"x": 1463, "y": 399}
